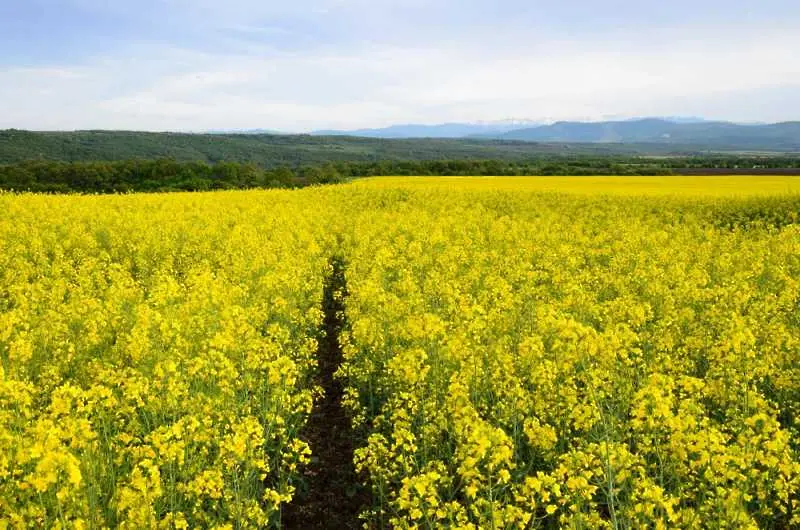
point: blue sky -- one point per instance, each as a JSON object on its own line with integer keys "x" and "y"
{"x": 312, "y": 64}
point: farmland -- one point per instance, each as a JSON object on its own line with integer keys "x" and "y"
{"x": 580, "y": 352}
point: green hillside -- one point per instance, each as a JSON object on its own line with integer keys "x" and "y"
{"x": 267, "y": 150}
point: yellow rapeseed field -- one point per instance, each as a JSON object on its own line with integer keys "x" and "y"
{"x": 707, "y": 186}
{"x": 555, "y": 352}
{"x": 156, "y": 352}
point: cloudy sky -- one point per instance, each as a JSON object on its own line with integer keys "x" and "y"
{"x": 310, "y": 64}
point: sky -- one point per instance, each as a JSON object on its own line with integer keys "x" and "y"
{"x": 301, "y": 65}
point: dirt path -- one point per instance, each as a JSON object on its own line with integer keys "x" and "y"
{"x": 332, "y": 496}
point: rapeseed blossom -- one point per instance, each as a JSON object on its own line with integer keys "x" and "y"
{"x": 519, "y": 353}
{"x": 599, "y": 359}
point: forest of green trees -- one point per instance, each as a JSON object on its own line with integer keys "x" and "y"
{"x": 272, "y": 150}
{"x": 120, "y": 161}
{"x": 171, "y": 175}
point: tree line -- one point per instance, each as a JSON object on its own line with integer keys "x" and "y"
{"x": 171, "y": 175}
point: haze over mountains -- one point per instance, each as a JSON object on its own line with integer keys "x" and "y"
{"x": 443, "y": 130}
{"x": 663, "y": 131}
{"x": 678, "y": 131}
{"x": 493, "y": 129}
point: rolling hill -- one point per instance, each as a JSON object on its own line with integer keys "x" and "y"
{"x": 650, "y": 136}
{"x": 268, "y": 150}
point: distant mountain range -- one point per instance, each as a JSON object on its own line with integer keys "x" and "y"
{"x": 491, "y": 129}
{"x": 666, "y": 131}
{"x": 711, "y": 133}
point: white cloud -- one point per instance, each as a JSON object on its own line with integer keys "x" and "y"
{"x": 731, "y": 74}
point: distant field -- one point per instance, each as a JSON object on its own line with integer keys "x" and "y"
{"x": 726, "y": 185}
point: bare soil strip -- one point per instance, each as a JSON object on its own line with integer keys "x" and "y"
{"x": 332, "y": 495}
